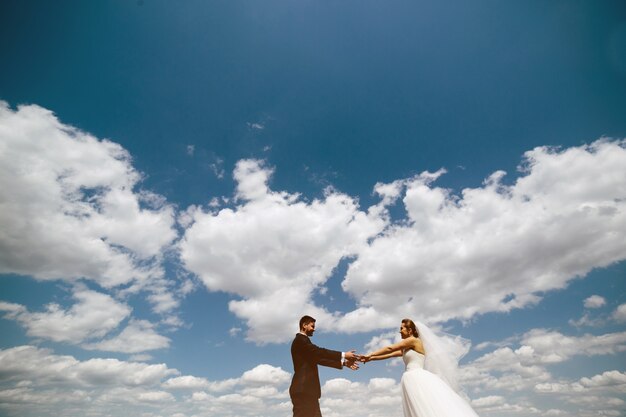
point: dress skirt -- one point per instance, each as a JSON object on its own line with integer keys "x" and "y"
{"x": 424, "y": 394}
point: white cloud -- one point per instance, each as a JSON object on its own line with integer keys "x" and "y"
{"x": 607, "y": 382}
{"x": 517, "y": 379}
{"x": 595, "y": 301}
{"x": 34, "y": 381}
{"x": 385, "y": 339}
{"x": 340, "y": 387}
{"x": 93, "y": 315}
{"x": 620, "y": 313}
{"x": 138, "y": 336}
{"x": 218, "y": 167}
{"x": 525, "y": 368}
{"x": 155, "y": 396}
{"x": 12, "y": 310}
{"x": 546, "y": 346}
{"x": 587, "y": 321}
{"x": 594, "y": 401}
{"x": 163, "y": 298}
{"x": 489, "y": 401}
{"x": 255, "y": 126}
{"x": 609, "y": 378}
{"x": 69, "y": 210}
{"x": 28, "y": 363}
{"x": 140, "y": 357}
{"x": 539, "y": 347}
{"x": 186, "y": 382}
{"x": 500, "y": 246}
{"x": 265, "y": 375}
{"x": 234, "y": 331}
{"x": 273, "y": 250}
{"x": 192, "y": 383}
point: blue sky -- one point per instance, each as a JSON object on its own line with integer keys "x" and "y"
{"x": 181, "y": 181}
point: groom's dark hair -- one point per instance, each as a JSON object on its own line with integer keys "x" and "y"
{"x": 306, "y": 320}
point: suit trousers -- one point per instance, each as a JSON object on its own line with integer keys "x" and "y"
{"x": 306, "y": 406}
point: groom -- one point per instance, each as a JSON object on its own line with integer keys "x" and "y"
{"x": 305, "y": 389}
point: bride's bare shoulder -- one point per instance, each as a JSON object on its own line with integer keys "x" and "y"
{"x": 417, "y": 345}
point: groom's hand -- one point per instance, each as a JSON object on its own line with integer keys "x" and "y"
{"x": 351, "y": 356}
{"x": 352, "y": 364}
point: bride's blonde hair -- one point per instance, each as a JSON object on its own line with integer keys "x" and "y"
{"x": 409, "y": 323}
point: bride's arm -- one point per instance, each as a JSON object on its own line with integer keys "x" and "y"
{"x": 371, "y": 357}
{"x": 390, "y": 351}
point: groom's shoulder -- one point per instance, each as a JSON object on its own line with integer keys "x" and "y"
{"x": 297, "y": 341}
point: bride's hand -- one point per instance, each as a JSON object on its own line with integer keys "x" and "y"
{"x": 365, "y": 358}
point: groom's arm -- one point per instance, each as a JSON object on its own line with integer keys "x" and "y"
{"x": 319, "y": 355}
{"x": 332, "y": 363}
{"x": 323, "y": 356}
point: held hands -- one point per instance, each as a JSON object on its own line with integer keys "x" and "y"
{"x": 351, "y": 355}
{"x": 351, "y": 360}
{"x": 365, "y": 358}
{"x": 352, "y": 364}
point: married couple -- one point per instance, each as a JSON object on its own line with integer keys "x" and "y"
{"x": 428, "y": 383}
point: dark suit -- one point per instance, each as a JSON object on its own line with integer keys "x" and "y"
{"x": 305, "y": 386}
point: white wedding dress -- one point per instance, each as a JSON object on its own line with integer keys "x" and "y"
{"x": 424, "y": 394}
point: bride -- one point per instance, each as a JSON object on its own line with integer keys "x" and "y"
{"x": 429, "y": 381}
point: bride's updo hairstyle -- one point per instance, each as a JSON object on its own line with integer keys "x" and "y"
{"x": 410, "y": 325}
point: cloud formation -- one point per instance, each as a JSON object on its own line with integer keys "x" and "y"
{"x": 71, "y": 210}
{"x": 594, "y": 301}
{"x": 69, "y": 205}
{"x": 138, "y": 336}
{"x": 518, "y": 377}
{"x": 273, "y": 249}
{"x": 36, "y": 381}
{"x": 93, "y": 315}
{"x": 500, "y": 246}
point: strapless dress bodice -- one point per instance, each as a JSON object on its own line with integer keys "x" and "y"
{"x": 413, "y": 360}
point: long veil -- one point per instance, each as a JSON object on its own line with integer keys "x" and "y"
{"x": 442, "y": 354}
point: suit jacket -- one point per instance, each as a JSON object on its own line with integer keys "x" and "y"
{"x": 306, "y": 356}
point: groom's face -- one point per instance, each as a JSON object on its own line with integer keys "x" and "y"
{"x": 309, "y": 328}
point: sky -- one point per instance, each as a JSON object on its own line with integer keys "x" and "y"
{"x": 181, "y": 181}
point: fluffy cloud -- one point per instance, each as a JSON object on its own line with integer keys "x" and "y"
{"x": 544, "y": 346}
{"x": 609, "y": 378}
{"x": 42, "y": 368}
{"x": 261, "y": 381}
{"x": 612, "y": 379}
{"x": 138, "y": 336}
{"x": 620, "y": 313}
{"x": 541, "y": 347}
{"x": 595, "y": 301}
{"x": 499, "y": 246}
{"x": 265, "y": 375}
{"x": 273, "y": 249}
{"x": 36, "y": 382}
{"x": 186, "y": 382}
{"x": 93, "y": 315}
{"x": 508, "y": 377}
{"x": 69, "y": 209}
